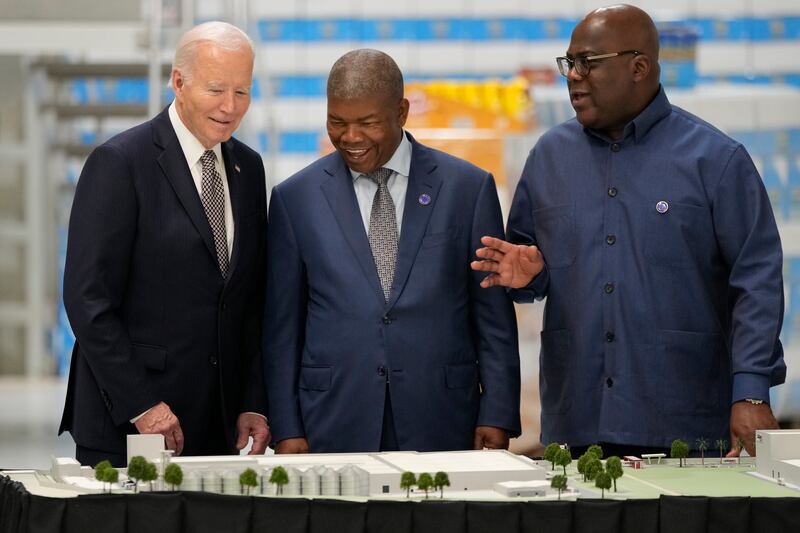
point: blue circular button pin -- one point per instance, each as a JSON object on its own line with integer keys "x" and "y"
{"x": 424, "y": 199}
{"x": 662, "y": 207}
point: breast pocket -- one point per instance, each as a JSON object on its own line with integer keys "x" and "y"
{"x": 438, "y": 238}
{"x": 555, "y": 234}
{"x": 674, "y": 236}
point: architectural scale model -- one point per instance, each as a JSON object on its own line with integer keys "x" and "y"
{"x": 473, "y": 475}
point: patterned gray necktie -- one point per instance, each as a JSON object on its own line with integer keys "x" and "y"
{"x": 383, "y": 230}
{"x": 213, "y": 198}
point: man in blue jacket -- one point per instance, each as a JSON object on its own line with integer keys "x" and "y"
{"x": 378, "y": 335}
{"x": 651, "y": 236}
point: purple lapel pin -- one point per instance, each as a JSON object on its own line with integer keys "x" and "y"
{"x": 662, "y": 207}
{"x": 424, "y": 199}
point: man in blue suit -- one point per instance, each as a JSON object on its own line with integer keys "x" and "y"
{"x": 377, "y": 334}
{"x": 652, "y": 237}
{"x": 164, "y": 275}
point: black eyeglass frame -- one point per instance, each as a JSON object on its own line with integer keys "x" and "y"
{"x": 581, "y": 63}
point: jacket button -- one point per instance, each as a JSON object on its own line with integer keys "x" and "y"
{"x": 387, "y": 319}
{"x": 612, "y": 192}
{"x": 609, "y": 288}
{"x": 615, "y": 147}
{"x": 611, "y": 239}
{"x": 610, "y": 382}
{"x": 381, "y": 371}
{"x": 609, "y": 336}
{"x": 213, "y": 360}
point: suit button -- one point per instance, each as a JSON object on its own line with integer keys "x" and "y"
{"x": 612, "y": 192}
{"x": 212, "y": 360}
{"x": 615, "y": 147}
{"x": 609, "y": 288}
{"x": 224, "y": 307}
{"x": 387, "y": 319}
{"x": 611, "y": 239}
{"x": 609, "y": 336}
{"x": 610, "y": 382}
{"x": 381, "y": 371}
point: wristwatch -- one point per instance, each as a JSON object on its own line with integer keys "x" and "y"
{"x": 753, "y": 401}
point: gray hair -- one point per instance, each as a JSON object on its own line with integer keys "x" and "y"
{"x": 365, "y": 72}
{"x": 219, "y": 33}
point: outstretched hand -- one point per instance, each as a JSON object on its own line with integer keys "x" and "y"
{"x": 511, "y": 265}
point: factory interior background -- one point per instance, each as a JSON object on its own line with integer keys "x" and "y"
{"x": 483, "y": 85}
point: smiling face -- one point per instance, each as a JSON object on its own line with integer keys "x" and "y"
{"x": 366, "y": 130}
{"x": 213, "y": 99}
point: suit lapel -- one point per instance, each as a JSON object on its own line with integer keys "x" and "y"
{"x": 423, "y": 180}
{"x": 176, "y": 169}
{"x": 340, "y": 194}
{"x": 233, "y": 170}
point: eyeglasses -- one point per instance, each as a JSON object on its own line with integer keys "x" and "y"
{"x": 581, "y": 63}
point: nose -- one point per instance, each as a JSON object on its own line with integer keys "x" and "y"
{"x": 572, "y": 74}
{"x": 352, "y": 133}
{"x": 228, "y": 103}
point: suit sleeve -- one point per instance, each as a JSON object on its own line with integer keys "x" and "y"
{"x": 750, "y": 244}
{"x": 521, "y": 230}
{"x": 495, "y": 327}
{"x": 284, "y": 323}
{"x": 102, "y": 230}
{"x": 255, "y": 398}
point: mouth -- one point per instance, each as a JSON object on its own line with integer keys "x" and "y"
{"x": 221, "y": 122}
{"x": 355, "y": 154}
{"x": 578, "y": 97}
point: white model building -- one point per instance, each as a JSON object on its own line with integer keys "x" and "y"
{"x": 778, "y": 455}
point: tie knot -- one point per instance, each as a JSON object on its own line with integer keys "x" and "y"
{"x": 380, "y": 176}
{"x": 208, "y": 158}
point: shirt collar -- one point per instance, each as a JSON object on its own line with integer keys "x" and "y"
{"x": 657, "y": 109}
{"x": 400, "y": 161}
{"x": 191, "y": 147}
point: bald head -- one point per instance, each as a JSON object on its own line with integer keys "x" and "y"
{"x": 365, "y": 72}
{"x": 628, "y": 26}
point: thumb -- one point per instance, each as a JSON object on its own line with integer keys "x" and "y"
{"x": 242, "y": 439}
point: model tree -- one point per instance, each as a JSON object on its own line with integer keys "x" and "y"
{"x": 593, "y": 467}
{"x": 614, "y": 469}
{"x": 550, "y": 453}
{"x": 702, "y": 446}
{"x": 559, "y": 483}
{"x": 136, "y": 468}
{"x": 596, "y": 450}
{"x": 679, "y": 450}
{"x": 722, "y": 446}
{"x": 150, "y": 473}
{"x": 603, "y": 482}
{"x": 425, "y": 482}
{"x": 740, "y": 445}
{"x": 248, "y": 479}
{"x": 279, "y": 477}
{"x": 563, "y": 458}
{"x": 582, "y": 461}
{"x": 173, "y": 475}
{"x": 103, "y": 471}
{"x": 440, "y": 481}
{"x": 408, "y": 480}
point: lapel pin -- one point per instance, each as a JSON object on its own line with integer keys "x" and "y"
{"x": 237, "y": 168}
{"x": 662, "y": 207}
{"x": 424, "y": 199}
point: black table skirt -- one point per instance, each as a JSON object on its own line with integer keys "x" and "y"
{"x": 200, "y": 512}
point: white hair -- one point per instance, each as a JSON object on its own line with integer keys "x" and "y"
{"x": 219, "y": 33}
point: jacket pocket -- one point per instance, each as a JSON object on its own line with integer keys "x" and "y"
{"x": 315, "y": 377}
{"x": 461, "y": 376}
{"x": 440, "y": 237}
{"x": 153, "y": 357}
{"x": 555, "y": 234}
{"x": 672, "y": 236}
{"x": 690, "y": 367}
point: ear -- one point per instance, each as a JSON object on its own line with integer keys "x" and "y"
{"x": 177, "y": 81}
{"x": 404, "y": 105}
{"x": 641, "y": 67}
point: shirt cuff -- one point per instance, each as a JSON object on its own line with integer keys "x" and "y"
{"x": 748, "y": 385}
{"x": 254, "y": 413}
{"x": 136, "y": 418}
{"x": 535, "y": 290}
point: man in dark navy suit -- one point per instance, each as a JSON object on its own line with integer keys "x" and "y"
{"x": 377, "y": 333}
{"x": 164, "y": 275}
